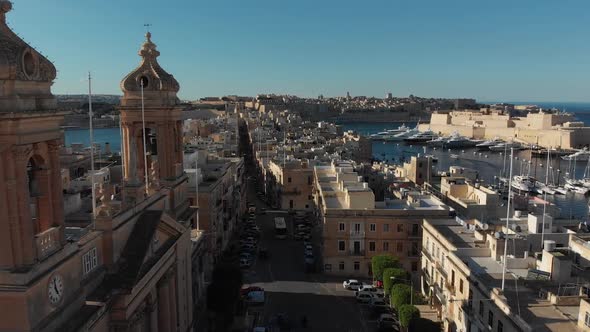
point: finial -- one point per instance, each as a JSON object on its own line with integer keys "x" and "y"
{"x": 148, "y": 34}
{"x": 5, "y": 7}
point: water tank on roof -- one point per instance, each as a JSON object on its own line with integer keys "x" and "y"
{"x": 517, "y": 214}
{"x": 499, "y": 235}
{"x": 549, "y": 245}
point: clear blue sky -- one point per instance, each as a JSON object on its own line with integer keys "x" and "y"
{"x": 491, "y": 50}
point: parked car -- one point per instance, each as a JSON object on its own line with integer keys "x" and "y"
{"x": 368, "y": 288}
{"x": 244, "y": 263}
{"x": 245, "y": 291}
{"x": 386, "y": 321}
{"x": 377, "y": 302}
{"x": 364, "y": 297}
{"x": 351, "y": 284}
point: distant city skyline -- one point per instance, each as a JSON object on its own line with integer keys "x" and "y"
{"x": 487, "y": 51}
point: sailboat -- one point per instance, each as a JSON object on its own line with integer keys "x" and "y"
{"x": 574, "y": 185}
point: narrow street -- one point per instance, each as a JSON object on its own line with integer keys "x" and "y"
{"x": 292, "y": 292}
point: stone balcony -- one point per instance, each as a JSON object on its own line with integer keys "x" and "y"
{"x": 357, "y": 234}
{"x": 47, "y": 242}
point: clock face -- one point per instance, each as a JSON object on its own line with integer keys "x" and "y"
{"x": 55, "y": 289}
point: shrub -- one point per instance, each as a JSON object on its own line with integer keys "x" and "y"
{"x": 399, "y": 275}
{"x": 381, "y": 262}
{"x": 407, "y": 313}
{"x": 400, "y": 294}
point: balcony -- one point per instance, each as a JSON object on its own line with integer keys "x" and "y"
{"x": 427, "y": 254}
{"x": 356, "y": 253}
{"x": 357, "y": 234}
{"x": 450, "y": 287}
{"x": 47, "y": 242}
{"x": 290, "y": 191}
{"x": 426, "y": 275}
{"x": 414, "y": 233}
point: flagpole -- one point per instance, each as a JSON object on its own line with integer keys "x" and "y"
{"x": 122, "y": 147}
{"x": 507, "y": 220}
{"x": 91, "y": 132}
{"x": 197, "y": 188}
{"x": 145, "y": 165}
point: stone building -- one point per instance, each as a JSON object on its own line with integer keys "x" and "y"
{"x": 356, "y": 227}
{"x": 130, "y": 270}
{"x": 291, "y": 184}
{"x": 545, "y": 129}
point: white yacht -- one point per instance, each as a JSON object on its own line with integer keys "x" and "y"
{"x": 405, "y": 134}
{"x": 505, "y": 146}
{"x": 422, "y": 137}
{"x": 389, "y": 134}
{"x": 583, "y": 155}
{"x": 486, "y": 144}
{"x": 576, "y": 186}
{"x": 524, "y": 184}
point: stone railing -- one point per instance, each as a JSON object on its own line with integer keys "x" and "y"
{"x": 47, "y": 242}
{"x": 357, "y": 234}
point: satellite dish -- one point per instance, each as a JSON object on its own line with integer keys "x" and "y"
{"x": 499, "y": 235}
{"x": 485, "y": 226}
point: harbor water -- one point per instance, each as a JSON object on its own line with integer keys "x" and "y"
{"x": 490, "y": 165}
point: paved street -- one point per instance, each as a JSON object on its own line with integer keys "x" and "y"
{"x": 293, "y": 292}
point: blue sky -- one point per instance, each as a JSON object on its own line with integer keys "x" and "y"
{"x": 490, "y": 50}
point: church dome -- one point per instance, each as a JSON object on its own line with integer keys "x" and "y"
{"x": 158, "y": 85}
{"x": 20, "y": 62}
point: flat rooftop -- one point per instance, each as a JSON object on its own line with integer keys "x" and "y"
{"x": 522, "y": 299}
{"x": 458, "y": 235}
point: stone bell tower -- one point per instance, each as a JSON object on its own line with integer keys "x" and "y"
{"x": 151, "y": 89}
{"x": 31, "y": 198}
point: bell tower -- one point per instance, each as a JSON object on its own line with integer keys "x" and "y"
{"x": 150, "y": 104}
{"x": 31, "y": 198}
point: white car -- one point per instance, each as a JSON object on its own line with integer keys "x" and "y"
{"x": 367, "y": 288}
{"x": 351, "y": 284}
{"x": 364, "y": 297}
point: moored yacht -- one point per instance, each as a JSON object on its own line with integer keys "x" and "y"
{"x": 486, "y": 144}
{"x": 524, "y": 184}
{"x": 421, "y": 137}
{"x": 505, "y": 146}
{"x": 579, "y": 155}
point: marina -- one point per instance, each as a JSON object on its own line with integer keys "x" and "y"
{"x": 492, "y": 166}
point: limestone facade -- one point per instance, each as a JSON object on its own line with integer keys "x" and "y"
{"x": 128, "y": 271}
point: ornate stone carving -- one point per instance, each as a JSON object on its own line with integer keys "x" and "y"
{"x": 154, "y": 77}
{"x": 17, "y": 59}
{"x": 22, "y": 152}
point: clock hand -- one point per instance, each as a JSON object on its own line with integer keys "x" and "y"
{"x": 55, "y": 288}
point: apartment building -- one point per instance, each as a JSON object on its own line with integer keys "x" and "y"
{"x": 221, "y": 197}
{"x": 470, "y": 200}
{"x": 291, "y": 184}
{"x": 418, "y": 170}
{"x": 356, "y": 227}
{"x": 462, "y": 276}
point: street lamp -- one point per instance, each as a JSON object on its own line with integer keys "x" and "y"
{"x": 411, "y": 286}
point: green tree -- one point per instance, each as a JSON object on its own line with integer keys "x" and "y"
{"x": 407, "y": 313}
{"x": 381, "y": 262}
{"x": 399, "y": 275}
{"x": 400, "y": 294}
